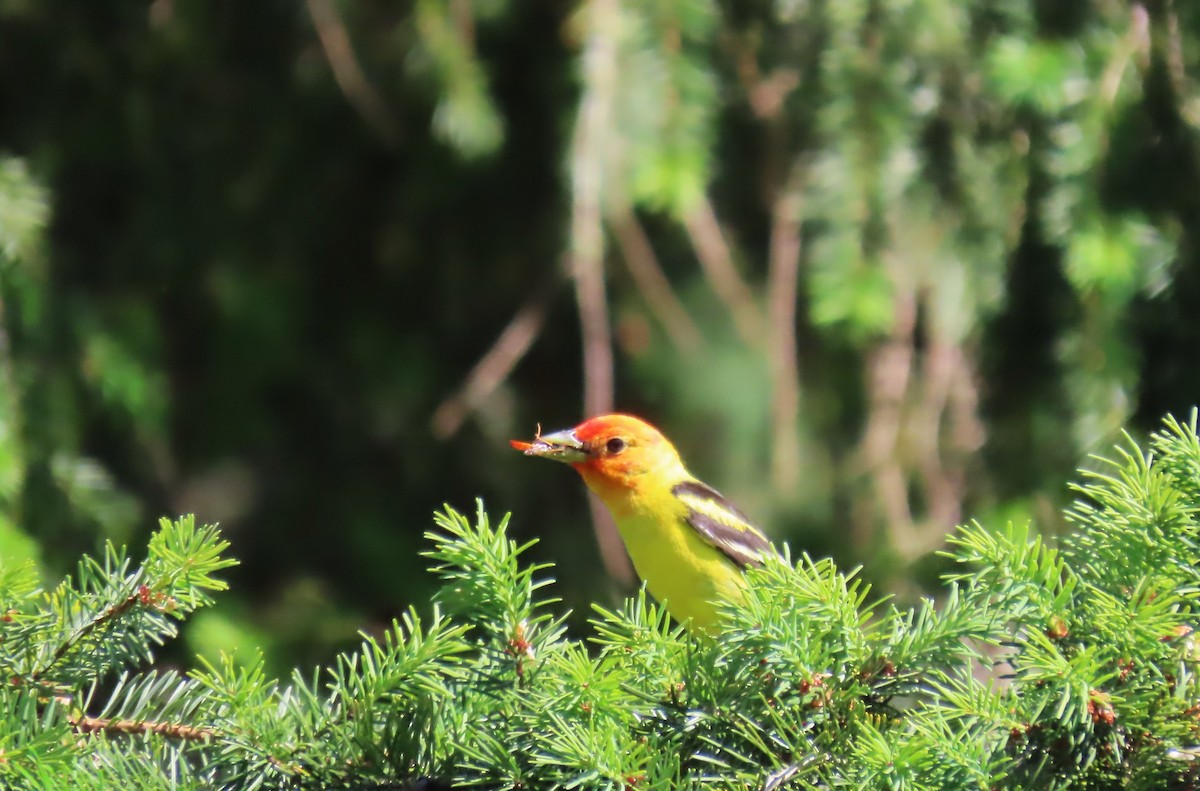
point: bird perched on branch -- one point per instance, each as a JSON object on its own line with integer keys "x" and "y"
{"x": 686, "y": 541}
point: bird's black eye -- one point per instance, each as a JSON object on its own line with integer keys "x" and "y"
{"x": 614, "y": 446}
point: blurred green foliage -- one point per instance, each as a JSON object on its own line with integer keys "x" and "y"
{"x": 248, "y": 251}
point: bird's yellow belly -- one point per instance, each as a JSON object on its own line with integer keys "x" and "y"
{"x": 683, "y": 571}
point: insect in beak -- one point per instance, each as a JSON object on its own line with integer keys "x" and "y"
{"x": 561, "y": 446}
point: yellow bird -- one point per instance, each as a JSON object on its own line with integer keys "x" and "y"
{"x": 686, "y": 541}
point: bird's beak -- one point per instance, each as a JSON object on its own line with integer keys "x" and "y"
{"x": 561, "y": 446}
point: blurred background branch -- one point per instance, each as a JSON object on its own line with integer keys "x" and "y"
{"x": 494, "y": 367}
{"x": 339, "y": 51}
{"x": 708, "y": 240}
{"x": 652, "y": 282}
{"x": 591, "y": 156}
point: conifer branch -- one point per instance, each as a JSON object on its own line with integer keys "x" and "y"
{"x": 172, "y": 730}
{"x": 114, "y": 612}
{"x": 812, "y": 682}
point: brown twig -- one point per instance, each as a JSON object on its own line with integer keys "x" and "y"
{"x": 652, "y": 282}
{"x": 708, "y": 241}
{"x": 588, "y": 162}
{"x": 494, "y": 367}
{"x": 783, "y": 283}
{"x": 172, "y": 730}
{"x": 339, "y": 52}
{"x": 142, "y": 595}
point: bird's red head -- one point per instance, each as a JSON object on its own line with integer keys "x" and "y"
{"x": 611, "y": 452}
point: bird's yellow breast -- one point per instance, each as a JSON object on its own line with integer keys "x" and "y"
{"x": 681, "y": 569}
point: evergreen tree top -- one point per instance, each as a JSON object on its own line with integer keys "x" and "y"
{"x": 1042, "y": 666}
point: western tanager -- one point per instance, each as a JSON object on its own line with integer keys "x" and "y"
{"x": 686, "y": 541}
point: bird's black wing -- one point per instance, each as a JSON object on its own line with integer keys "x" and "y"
{"x": 720, "y": 523}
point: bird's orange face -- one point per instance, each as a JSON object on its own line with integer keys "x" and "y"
{"x": 610, "y": 451}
